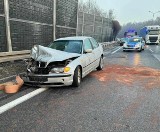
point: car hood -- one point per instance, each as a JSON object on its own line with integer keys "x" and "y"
{"x": 45, "y": 54}
{"x": 132, "y": 43}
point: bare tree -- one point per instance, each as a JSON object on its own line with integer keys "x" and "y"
{"x": 90, "y": 6}
{"x": 138, "y": 25}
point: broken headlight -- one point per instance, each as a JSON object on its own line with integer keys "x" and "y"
{"x": 60, "y": 70}
{"x": 57, "y": 70}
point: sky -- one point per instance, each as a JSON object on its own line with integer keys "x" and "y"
{"x": 131, "y": 10}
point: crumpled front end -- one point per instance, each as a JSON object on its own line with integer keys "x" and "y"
{"x": 48, "y": 68}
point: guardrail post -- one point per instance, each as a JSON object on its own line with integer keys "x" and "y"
{"x": 83, "y": 24}
{"x": 77, "y": 19}
{"x": 8, "y": 33}
{"x": 102, "y": 30}
{"x": 54, "y": 19}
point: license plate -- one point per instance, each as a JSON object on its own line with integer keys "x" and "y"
{"x": 38, "y": 79}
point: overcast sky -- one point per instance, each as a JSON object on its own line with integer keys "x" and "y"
{"x": 131, "y": 10}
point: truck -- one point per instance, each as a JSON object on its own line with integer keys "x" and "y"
{"x": 130, "y": 33}
{"x": 151, "y": 34}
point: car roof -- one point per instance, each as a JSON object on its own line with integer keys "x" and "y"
{"x": 73, "y": 38}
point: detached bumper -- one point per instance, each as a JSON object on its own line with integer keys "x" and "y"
{"x": 49, "y": 80}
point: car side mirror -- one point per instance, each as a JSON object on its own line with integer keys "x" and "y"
{"x": 88, "y": 51}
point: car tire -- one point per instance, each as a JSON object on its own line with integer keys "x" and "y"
{"x": 77, "y": 77}
{"x": 140, "y": 50}
{"x": 101, "y": 63}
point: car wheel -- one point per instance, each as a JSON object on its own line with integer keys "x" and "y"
{"x": 140, "y": 49}
{"x": 100, "y": 67}
{"x": 77, "y": 77}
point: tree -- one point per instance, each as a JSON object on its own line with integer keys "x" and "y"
{"x": 137, "y": 26}
{"x": 91, "y": 7}
{"x": 116, "y": 28}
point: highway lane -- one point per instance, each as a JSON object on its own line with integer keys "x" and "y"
{"x": 122, "y": 97}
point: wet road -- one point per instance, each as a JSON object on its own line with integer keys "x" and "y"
{"x": 124, "y": 97}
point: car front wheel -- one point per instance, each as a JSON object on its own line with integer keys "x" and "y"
{"x": 100, "y": 67}
{"x": 77, "y": 77}
{"x": 140, "y": 49}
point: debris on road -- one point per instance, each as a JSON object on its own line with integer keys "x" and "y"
{"x": 149, "y": 77}
{"x": 2, "y": 87}
{"x": 12, "y": 87}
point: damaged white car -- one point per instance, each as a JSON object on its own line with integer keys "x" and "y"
{"x": 64, "y": 62}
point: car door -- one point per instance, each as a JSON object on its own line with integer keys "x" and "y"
{"x": 96, "y": 51}
{"x": 87, "y": 58}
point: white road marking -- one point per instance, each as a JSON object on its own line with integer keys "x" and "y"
{"x": 20, "y": 100}
{"x": 116, "y": 50}
{"x": 151, "y": 50}
{"x": 156, "y": 57}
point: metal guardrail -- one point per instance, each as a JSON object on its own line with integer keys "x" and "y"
{"x": 18, "y": 55}
{"x": 108, "y": 45}
{"x": 15, "y": 55}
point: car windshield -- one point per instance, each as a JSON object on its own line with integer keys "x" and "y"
{"x": 71, "y": 46}
{"x": 153, "y": 32}
{"x": 134, "y": 40}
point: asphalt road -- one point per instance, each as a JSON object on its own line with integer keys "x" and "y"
{"x": 124, "y": 97}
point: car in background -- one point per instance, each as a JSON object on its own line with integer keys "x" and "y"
{"x": 65, "y": 62}
{"x": 122, "y": 41}
{"x": 134, "y": 43}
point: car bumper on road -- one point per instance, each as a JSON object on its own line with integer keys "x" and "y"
{"x": 49, "y": 80}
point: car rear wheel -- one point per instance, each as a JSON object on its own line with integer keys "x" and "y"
{"x": 77, "y": 77}
{"x": 100, "y": 67}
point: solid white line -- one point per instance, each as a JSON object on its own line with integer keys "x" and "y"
{"x": 20, "y": 100}
{"x": 156, "y": 57}
{"x": 116, "y": 50}
{"x": 151, "y": 50}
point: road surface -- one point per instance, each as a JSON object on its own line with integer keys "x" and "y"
{"x": 124, "y": 97}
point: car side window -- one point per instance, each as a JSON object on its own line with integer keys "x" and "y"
{"x": 87, "y": 44}
{"x": 94, "y": 43}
